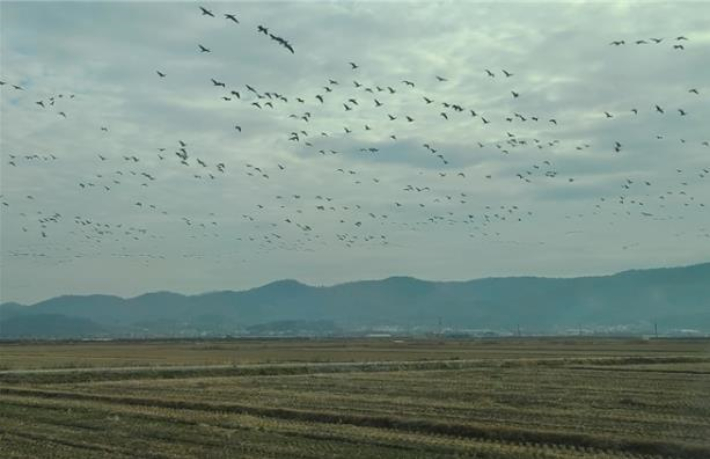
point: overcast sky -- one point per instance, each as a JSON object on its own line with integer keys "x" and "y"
{"x": 95, "y": 198}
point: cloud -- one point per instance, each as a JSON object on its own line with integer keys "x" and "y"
{"x": 281, "y": 208}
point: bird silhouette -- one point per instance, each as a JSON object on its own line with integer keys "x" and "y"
{"x": 206, "y": 12}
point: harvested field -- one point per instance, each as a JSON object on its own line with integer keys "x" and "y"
{"x": 542, "y": 400}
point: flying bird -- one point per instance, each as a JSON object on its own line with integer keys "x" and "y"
{"x": 231, "y": 17}
{"x": 160, "y": 74}
{"x": 206, "y": 12}
{"x": 203, "y": 49}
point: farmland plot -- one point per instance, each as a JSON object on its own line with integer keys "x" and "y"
{"x": 599, "y": 407}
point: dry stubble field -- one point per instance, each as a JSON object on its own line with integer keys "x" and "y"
{"x": 530, "y": 398}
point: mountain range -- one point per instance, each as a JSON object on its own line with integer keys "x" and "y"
{"x": 674, "y": 298}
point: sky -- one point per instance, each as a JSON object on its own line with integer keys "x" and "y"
{"x": 563, "y": 178}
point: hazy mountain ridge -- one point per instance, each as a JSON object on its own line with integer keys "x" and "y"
{"x": 677, "y": 297}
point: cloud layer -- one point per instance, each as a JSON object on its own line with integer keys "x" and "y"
{"x": 96, "y": 199}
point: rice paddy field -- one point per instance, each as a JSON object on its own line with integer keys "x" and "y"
{"x": 517, "y": 398}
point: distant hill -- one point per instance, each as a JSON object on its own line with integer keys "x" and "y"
{"x": 49, "y": 326}
{"x": 674, "y": 297}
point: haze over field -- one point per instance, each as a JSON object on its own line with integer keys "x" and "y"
{"x": 156, "y": 146}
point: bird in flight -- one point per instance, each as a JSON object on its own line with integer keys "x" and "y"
{"x": 206, "y": 12}
{"x": 203, "y": 49}
{"x": 262, "y": 29}
{"x": 440, "y": 78}
{"x": 232, "y": 17}
{"x": 160, "y": 74}
{"x": 217, "y": 83}
{"x": 353, "y": 65}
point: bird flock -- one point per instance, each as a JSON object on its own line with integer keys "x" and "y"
{"x": 348, "y": 120}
